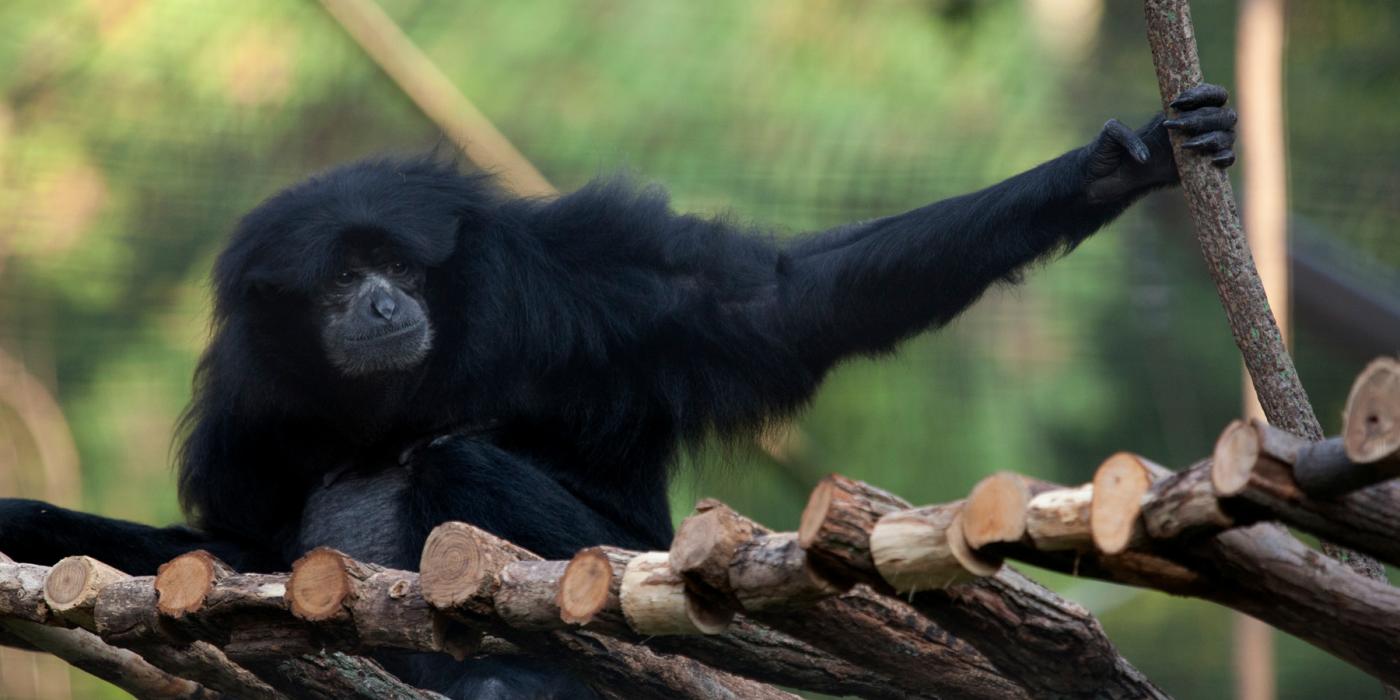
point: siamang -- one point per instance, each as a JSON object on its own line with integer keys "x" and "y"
{"x": 397, "y": 343}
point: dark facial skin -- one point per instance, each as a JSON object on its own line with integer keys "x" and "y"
{"x": 373, "y": 317}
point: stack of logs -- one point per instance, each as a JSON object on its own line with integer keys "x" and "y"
{"x": 870, "y": 597}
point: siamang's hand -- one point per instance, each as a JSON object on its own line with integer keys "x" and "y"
{"x": 1122, "y": 162}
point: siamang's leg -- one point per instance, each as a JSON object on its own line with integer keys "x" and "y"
{"x": 460, "y": 478}
{"x": 40, "y": 533}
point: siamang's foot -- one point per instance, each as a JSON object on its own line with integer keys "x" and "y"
{"x": 1122, "y": 162}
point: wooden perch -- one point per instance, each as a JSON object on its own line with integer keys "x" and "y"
{"x": 728, "y": 557}
{"x": 924, "y": 548}
{"x": 1372, "y": 433}
{"x": 376, "y": 607}
{"x": 860, "y": 627}
{"x": 1261, "y": 571}
{"x": 1253, "y": 485}
{"x": 836, "y": 524}
{"x": 1025, "y": 630}
{"x": 1119, "y": 485}
{"x": 25, "y": 617}
{"x": 461, "y": 574}
{"x": 198, "y": 596}
{"x": 72, "y": 590}
{"x": 655, "y": 600}
{"x": 594, "y": 580}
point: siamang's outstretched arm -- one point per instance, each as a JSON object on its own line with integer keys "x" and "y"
{"x": 864, "y": 287}
{"x": 39, "y": 533}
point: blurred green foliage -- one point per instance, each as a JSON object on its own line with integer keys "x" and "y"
{"x": 134, "y": 132}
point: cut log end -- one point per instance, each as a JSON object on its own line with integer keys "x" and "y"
{"x": 1372, "y": 431}
{"x": 74, "y": 582}
{"x": 319, "y": 585}
{"x": 814, "y": 515}
{"x": 995, "y": 511}
{"x": 584, "y": 587}
{"x": 1118, "y": 487}
{"x": 461, "y": 562}
{"x": 1236, "y": 453}
{"x": 183, "y": 582}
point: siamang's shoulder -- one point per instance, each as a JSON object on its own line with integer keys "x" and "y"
{"x": 620, "y": 218}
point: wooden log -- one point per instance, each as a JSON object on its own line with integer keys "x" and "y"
{"x": 996, "y": 510}
{"x": 183, "y": 582}
{"x": 460, "y": 569}
{"x": 25, "y": 619}
{"x": 732, "y": 559}
{"x": 655, "y": 600}
{"x": 466, "y": 563}
{"x": 1369, "y": 449}
{"x": 333, "y": 676}
{"x": 1253, "y": 485}
{"x": 836, "y": 524}
{"x": 1264, "y": 572}
{"x": 1185, "y": 505}
{"x": 771, "y": 573}
{"x": 201, "y": 597}
{"x": 590, "y": 588}
{"x": 705, "y": 544}
{"x": 1279, "y": 580}
{"x": 1043, "y": 625}
{"x": 861, "y": 644}
{"x": 120, "y": 667}
{"x": 529, "y": 593}
{"x": 1120, "y": 483}
{"x": 250, "y": 618}
{"x": 924, "y": 548}
{"x": 72, "y": 585}
{"x": 1372, "y": 433}
{"x": 375, "y": 607}
{"x": 22, "y": 592}
{"x": 1055, "y": 646}
{"x": 1060, "y": 519}
{"x": 645, "y": 674}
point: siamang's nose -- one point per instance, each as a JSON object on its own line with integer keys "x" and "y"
{"x": 383, "y": 304}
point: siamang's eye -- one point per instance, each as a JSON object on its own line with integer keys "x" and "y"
{"x": 344, "y": 277}
{"x": 398, "y": 267}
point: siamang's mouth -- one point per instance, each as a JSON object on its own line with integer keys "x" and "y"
{"x": 390, "y": 335}
{"x": 399, "y": 349}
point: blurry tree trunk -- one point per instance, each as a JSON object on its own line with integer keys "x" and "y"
{"x": 1259, "y": 93}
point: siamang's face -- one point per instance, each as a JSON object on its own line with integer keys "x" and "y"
{"x": 373, "y": 317}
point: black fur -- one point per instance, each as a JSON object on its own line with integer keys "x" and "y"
{"x": 578, "y": 344}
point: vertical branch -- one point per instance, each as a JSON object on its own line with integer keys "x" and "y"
{"x": 1212, "y": 204}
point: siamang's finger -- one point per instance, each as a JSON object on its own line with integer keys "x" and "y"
{"x": 1128, "y": 139}
{"x": 1214, "y": 141}
{"x": 1203, "y": 95}
{"x": 1223, "y": 159}
{"x": 1203, "y": 120}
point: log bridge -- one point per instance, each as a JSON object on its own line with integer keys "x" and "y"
{"x": 870, "y": 597}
